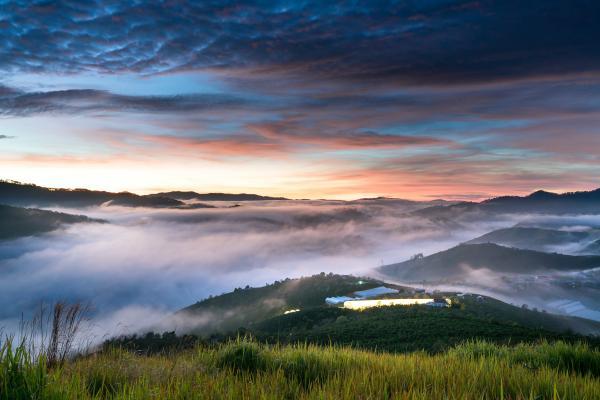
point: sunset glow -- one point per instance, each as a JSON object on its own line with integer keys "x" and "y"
{"x": 336, "y": 102}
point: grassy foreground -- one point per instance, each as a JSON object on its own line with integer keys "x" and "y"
{"x": 246, "y": 370}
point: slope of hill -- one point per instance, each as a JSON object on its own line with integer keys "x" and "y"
{"x": 18, "y": 194}
{"x": 531, "y": 238}
{"x": 17, "y": 222}
{"x": 459, "y": 261}
{"x": 244, "y": 307}
{"x": 401, "y": 329}
{"x": 261, "y": 312}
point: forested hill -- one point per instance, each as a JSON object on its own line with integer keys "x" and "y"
{"x": 246, "y": 306}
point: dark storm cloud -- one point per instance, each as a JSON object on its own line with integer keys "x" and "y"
{"x": 409, "y": 41}
{"x": 16, "y": 103}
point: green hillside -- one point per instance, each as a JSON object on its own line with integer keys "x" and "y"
{"x": 401, "y": 329}
{"x": 245, "y": 306}
{"x": 261, "y": 313}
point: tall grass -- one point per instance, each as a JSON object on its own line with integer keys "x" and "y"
{"x": 578, "y": 357}
{"x": 43, "y": 344}
{"x": 243, "y": 369}
{"x": 21, "y": 377}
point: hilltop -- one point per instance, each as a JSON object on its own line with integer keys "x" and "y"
{"x": 246, "y": 306}
{"x": 457, "y": 263}
{"x": 17, "y": 222}
{"x": 294, "y": 310}
{"x": 533, "y": 238}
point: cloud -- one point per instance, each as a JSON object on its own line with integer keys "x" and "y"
{"x": 440, "y": 42}
{"x": 21, "y": 103}
{"x": 6, "y": 137}
{"x": 163, "y": 260}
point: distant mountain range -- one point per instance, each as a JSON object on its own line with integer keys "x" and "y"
{"x": 458, "y": 262}
{"x": 19, "y": 194}
{"x": 540, "y": 202}
{"x": 17, "y": 222}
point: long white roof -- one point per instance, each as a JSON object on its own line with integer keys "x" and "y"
{"x": 337, "y": 300}
{"x": 378, "y": 291}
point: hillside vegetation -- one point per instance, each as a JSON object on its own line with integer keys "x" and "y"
{"x": 246, "y": 306}
{"x": 246, "y": 370}
{"x": 402, "y": 329}
{"x": 261, "y": 313}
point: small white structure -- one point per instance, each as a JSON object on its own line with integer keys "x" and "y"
{"x": 337, "y": 300}
{"x": 378, "y": 291}
{"x": 291, "y": 311}
{"x": 363, "y": 304}
{"x": 440, "y": 303}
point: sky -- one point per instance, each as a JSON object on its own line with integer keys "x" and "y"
{"x": 413, "y": 99}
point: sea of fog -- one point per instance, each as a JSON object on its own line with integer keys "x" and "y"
{"x": 143, "y": 264}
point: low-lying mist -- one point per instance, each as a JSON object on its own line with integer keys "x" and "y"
{"x": 143, "y": 264}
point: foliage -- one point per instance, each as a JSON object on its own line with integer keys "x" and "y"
{"x": 402, "y": 329}
{"x": 242, "y": 356}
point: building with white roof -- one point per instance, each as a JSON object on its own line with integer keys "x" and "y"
{"x": 378, "y": 291}
{"x": 337, "y": 300}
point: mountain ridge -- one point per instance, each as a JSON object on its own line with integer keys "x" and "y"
{"x": 451, "y": 263}
{"x": 18, "y": 222}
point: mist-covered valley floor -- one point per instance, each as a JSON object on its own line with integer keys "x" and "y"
{"x": 139, "y": 265}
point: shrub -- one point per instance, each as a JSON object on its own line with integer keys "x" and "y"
{"x": 305, "y": 367}
{"x": 242, "y": 356}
